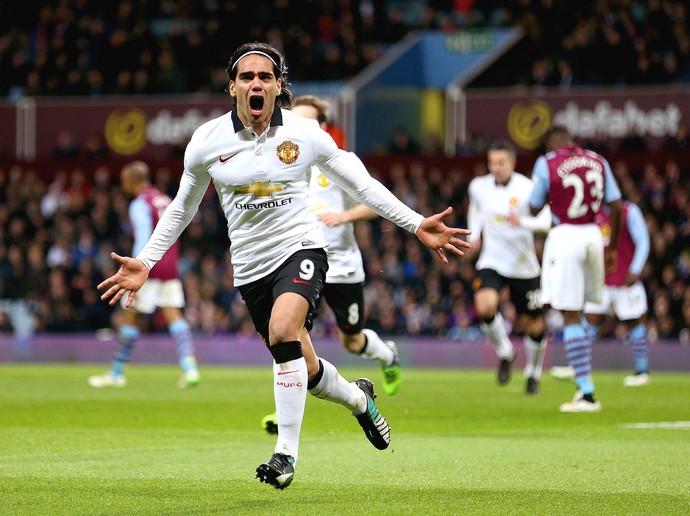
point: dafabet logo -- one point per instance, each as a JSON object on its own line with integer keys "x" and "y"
{"x": 125, "y": 131}
{"x": 129, "y": 130}
{"x": 528, "y": 122}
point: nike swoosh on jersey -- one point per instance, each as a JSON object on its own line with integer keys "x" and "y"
{"x": 223, "y": 160}
{"x": 288, "y": 372}
{"x": 295, "y": 280}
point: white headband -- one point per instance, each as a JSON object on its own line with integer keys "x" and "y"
{"x": 254, "y": 52}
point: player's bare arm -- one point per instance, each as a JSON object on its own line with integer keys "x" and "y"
{"x": 359, "y": 212}
{"x": 129, "y": 278}
{"x": 474, "y": 249}
{"x": 438, "y": 237}
{"x": 611, "y": 254}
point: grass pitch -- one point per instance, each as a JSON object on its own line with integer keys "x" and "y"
{"x": 461, "y": 445}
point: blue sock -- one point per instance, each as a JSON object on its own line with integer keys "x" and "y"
{"x": 590, "y": 329}
{"x": 182, "y": 334}
{"x": 638, "y": 341}
{"x": 578, "y": 349}
{"x": 128, "y": 336}
{"x": 22, "y": 347}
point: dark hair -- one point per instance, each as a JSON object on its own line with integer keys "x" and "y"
{"x": 284, "y": 98}
{"x": 502, "y": 145}
{"x": 557, "y": 136}
{"x": 320, "y": 105}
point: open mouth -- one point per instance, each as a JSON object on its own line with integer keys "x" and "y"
{"x": 256, "y": 105}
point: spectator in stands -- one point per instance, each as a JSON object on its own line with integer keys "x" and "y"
{"x": 598, "y": 143}
{"x": 65, "y": 146}
{"x": 678, "y": 140}
{"x": 15, "y": 298}
{"x": 633, "y": 141}
{"x": 94, "y": 147}
{"x": 402, "y": 142}
{"x": 166, "y": 47}
{"x": 446, "y": 186}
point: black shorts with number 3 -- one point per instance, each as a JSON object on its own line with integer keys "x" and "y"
{"x": 304, "y": 273}
{"x": 524, "y": 293}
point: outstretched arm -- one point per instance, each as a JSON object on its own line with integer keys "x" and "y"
{"x": 438, "y": 237}
{"x": 129, "y": 278}
{"x": 349, "y": 173}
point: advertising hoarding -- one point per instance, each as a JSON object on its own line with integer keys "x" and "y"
{"x": 523, "y": 117}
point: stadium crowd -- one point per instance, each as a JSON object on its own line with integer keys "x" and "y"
{"x": 56, "y": 236}
{"x": 88, "y": 47}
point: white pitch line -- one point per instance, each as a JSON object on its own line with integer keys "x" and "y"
{"x": 671, "y": 425}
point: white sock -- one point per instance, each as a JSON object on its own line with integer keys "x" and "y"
{"x": 376, "y": 349}
{"x": 290, "y": 393}
{"x": 495, "y": 331}
{"x": 335, "y": 388}
{"x": 534, "y": 356}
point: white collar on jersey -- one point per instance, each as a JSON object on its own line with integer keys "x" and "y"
{"x": 237, "y": 125}
{"x": 506, "y": 183}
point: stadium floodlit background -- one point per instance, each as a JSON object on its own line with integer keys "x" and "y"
{"x": 419, "y": 89}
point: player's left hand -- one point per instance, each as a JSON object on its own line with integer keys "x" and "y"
{"x": 438, "y": 237}
{"x": 610, "y": 261}
{"x": 331, "y": 219}
{"x": 631, "y": 279}
{"x": 129, "y": 278}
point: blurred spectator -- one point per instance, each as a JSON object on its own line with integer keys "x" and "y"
{"x": 94, "y": 147}
{"x": 677, "y": 141}
{"x": 56, "y": 197}
{"x": 402, "y": 142}
{"x": 16, "y": 286}
{"x": 598, "y": 143}
{"x": 55, "y": 242}
{"x": 632, "y": 141}
{"x": 65, "y": 146}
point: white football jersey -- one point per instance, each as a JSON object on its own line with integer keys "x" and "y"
{"x": 262, "y": 181}
{"x": 506, "y": 249}
{"x": 344, "y": 259}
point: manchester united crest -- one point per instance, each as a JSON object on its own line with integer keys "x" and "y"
{"x": 287, "y": 152}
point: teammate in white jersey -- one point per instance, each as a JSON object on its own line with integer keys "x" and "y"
{"x": 259, "y": 157}
{"x": 344, "y": 287}
{"x": 501, "y": 224}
